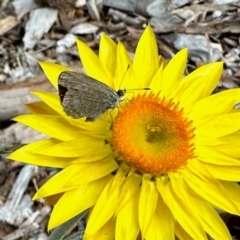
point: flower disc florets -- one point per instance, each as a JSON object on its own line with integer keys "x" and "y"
{"x": 152, "y": 135}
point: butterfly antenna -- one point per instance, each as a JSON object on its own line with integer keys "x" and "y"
{"x": 128, "y": 66}
{"x": 146, "y": 88}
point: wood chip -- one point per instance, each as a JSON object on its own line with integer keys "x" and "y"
{"x": 14, "y": 96}
{"x": 41, "y": 20}
{"x": 18, "y": 206}
{"x": 84, "y": 28}
{"x": 7, "y": 24}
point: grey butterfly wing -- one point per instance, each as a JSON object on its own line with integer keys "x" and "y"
{"x": 83, "y": 96}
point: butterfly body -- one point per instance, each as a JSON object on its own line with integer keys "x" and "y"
{"x": 83, "y": 96}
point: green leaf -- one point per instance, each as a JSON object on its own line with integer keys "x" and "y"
{"x": 76, "y": 236}
{"x": 61, "y": 231}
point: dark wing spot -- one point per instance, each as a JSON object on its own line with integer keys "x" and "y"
{"x": 89, "y": 119}
{"x": 62, "y": 91}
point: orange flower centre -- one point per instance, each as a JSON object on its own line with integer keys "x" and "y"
{"x": 152, "y": 135}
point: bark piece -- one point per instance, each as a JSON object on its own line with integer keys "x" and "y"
{"x": 18, "y": 206}
{"x": 14, "y": 96}
{"x": 7, "y": 24}
{"x": 41, "y": 20}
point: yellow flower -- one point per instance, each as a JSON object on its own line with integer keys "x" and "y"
{"x": 157, "y": 166}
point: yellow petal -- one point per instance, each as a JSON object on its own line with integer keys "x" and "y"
{"x": 92, "y": 64}
{"x": 232, "y": 189}
{"x": 209, "y": 74}
{"x": 123, "y": 63}
{"x": 70, "y": 200}
{"x": 212, "y": 70}
{"x": 224, "y": 172}
{"x": 200, "y": 140}
{"x": 52, "y": 100}
{"x": 157, "y": 81}
{"x": 206, "y": 215}
{"x": 181, "y": 210}
{"x": 130, "y": 80}
{"x": 27, "y": 154}
{"x": 231, "y": 139}
{"x": 127, "y": 226}
{"x": 81, "y": 146}
{"x": 220, "y": 126}
{"x": 52, "y": 71}
{"x": 130, "y": 188}
{"x": 162, "y": 61}
{"x": 146, "y": 61}
{"x": 162, "y": 224}
{"x": 181, "y": 233}
{"x": 230, "y": 150}
{"x": 231, "y": 145}
{"x": 149, "y": 194}
{"x": 192, "y": 93}
{"x": 234, "y": 110}
{"x": 41, "y": 144}
{"x": 55, "y": 126}
{"x": 69, "y": 178}
{"x": 40, "y": 108}
{"x": 177, "y": 92}
{"x": 210, "y": 219}
{"x": 212, "y": 156}
{"x": 107, "y": 53}
{"x": 93, "y": 156}
{"x": 119, "y": 178}
{"x": 106, "y": 232}
{"x": 105, "y": 206}
{"x": 216, "y": 104}
{"x": 173, "y": 72}
{"x": 205, "y": 185}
